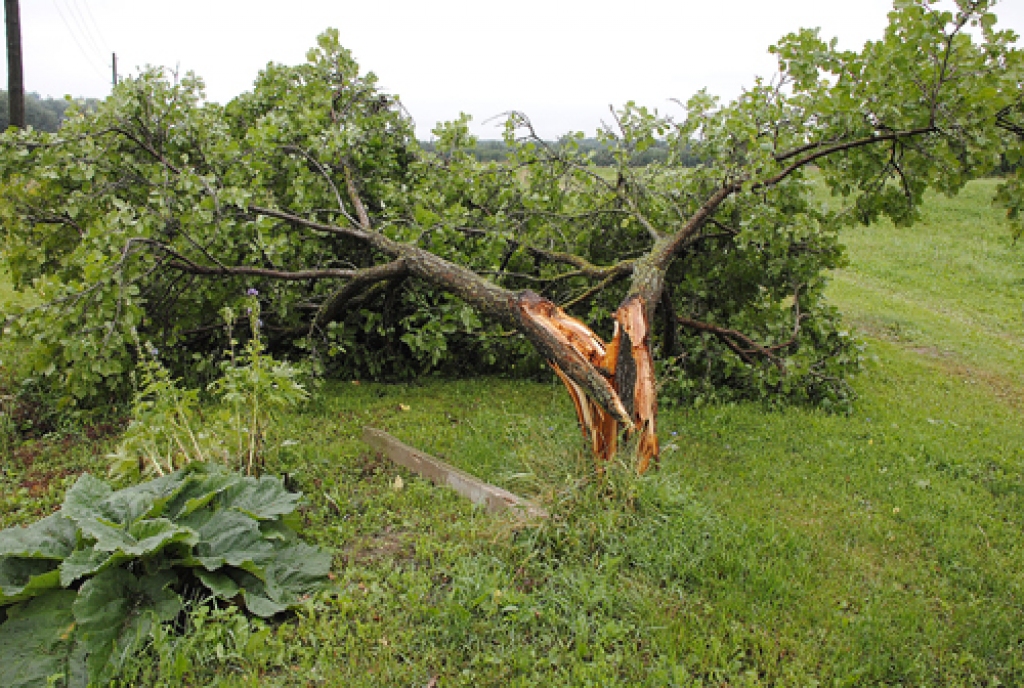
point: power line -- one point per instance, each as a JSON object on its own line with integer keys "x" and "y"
{"x": 79, "y": 17}
{"x": 85, "y": 53}
{"x": 95, "y": 25}
{"x": 81, "y": 29}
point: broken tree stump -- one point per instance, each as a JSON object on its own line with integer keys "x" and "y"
{"x": 491, "y": 497}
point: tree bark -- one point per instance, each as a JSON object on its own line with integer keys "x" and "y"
{"x": 15, "y": 76}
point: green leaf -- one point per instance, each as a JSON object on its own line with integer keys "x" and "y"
{"x": 296, "y": 571}
{"x": 255, "y": 595}
{"x": 197, "y": 492}
{"x": 37, "y": 639}
{"x": 277, "y": 529}
{"x": 21, "y": 579}
{"x": 115, "y": 610}
{"x": 229, "y": 537}
{"x": 91, "y": 498}
{"x": 140, "y": 539}
{"x": 87, "y": 562}
{"x": 261, "y": 499}
{"x": 145, "y": 500}
{"x": 257, "y": 602}
{"x": 159, "y": 493}
{"x": 220, "y": 584}
{"x": 51, "y": 538}
{"x": 85, "y": 498}
{"x": 164, "y": 603}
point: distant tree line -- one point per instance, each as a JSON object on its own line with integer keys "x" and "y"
{"x": 487, "y": 151}
{"x": 47, "y": 114}
{"x": 44, "y": 114}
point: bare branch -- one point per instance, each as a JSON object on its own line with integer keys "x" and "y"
{"x": 353, "y": 194}
{"x": 733, "y": 338}
{"x": 311, "y": 224}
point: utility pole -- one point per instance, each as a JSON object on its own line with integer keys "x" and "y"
{"x": 114, "y": 55}
{"x": 15, "y": 78}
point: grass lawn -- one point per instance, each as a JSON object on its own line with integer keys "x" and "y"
{"x": 950, "y": 287}
{"x": 781, "y": 548}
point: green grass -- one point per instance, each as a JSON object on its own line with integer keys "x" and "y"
{"x": 951, "y": 286}
{"x": 784, "y": 548}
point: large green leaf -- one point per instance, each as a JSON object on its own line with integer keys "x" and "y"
{"x": 145, "y": 500}
{"x": 261, "y": 499}
{"x": 115, "y": 610}
{"x": 277, "y": 530}
{"x": 259, "y": 603}
{"x": 254, "y": 594}
{"x": 88, "y": 562}
{"x": 140, "y": 539}
{"x": 198, "y": 491}
{"x": 92, "y": 498}
{"x": 219, "y": 583}
{"x": 85, "y": 499}
{"x": 296, "y": 571}
{"x": 51, "y": 538}
{"x": 228, "y": 537}
{"x": 153, "y": 496}
{"x": 21, "y": 579}
{"x": 36, "y": 640}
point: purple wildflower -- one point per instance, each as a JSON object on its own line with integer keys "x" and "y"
{"x": 251, "y": 292}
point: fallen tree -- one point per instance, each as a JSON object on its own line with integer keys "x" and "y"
{"x": 376, "y": 257}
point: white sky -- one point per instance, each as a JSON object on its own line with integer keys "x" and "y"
{"x": 563, "y": 62}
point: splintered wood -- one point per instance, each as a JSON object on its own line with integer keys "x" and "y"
{"x": 612, "y": 385}
{"x": 639, "y": 387}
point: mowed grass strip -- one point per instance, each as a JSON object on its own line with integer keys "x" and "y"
{"x": 951, "y": 287}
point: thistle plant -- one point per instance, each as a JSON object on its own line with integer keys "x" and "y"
{"x": 254, "y": 384}
{"x": 162, "y": 435}
{"x": 166, "y": 431}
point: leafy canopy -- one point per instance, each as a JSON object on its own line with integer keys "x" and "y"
{"x": 160, "y": 209}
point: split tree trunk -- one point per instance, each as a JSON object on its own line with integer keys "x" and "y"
{"x": 624, "y": 366}
{"x": 612, "y": 385}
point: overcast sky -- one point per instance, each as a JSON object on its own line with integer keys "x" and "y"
{"x": 560, "y": 61}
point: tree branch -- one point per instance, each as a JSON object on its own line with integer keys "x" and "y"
{"x": 836, "y": 148}
{"x": 311, "y": 224}
{"x": 336, "y": 302}
{"x": 731, "y": 337}
{"x": 353, "y": 194}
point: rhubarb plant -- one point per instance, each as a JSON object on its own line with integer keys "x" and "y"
{"x": 82, "y": 587}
